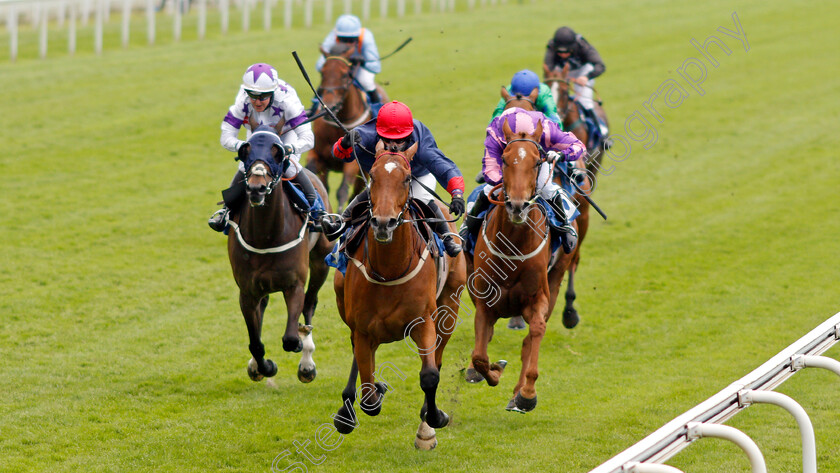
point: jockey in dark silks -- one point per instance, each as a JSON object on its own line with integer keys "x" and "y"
{"x": 585, "y": 64}
{"x": 398, "y": 130}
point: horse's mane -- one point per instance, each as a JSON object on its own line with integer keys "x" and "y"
{"x": 340, "y": 48}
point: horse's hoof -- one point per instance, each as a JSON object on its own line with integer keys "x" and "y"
{"x": 371, "y": 411}
{"x": 473, "y": 376}
{"x": 272, "y": 368}
{"x": 343, "y": 427}
{"x": 425, "y": 439}
{"x": 381, "y": 388}
{"x": 570, "y": 317}
{"x": 524, "y": 404}
{"x": 253, "y": 371}
{"x": 439, "y": 423}
{"x": 512, "y": 406}
{"x": 517, "y": 323}
{"x": 293, "y": 344}
{"x": 306, "y": 376}
{"x": 499, "y": 365}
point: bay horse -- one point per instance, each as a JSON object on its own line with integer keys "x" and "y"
{"x": 391, "y": 292}
{"x": 560, "y": 85}
{"x": 347, "y": 101}
{"x": 271, "y": 250}
{"x": 519, "y": 282}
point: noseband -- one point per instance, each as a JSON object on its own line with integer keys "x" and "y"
{"x": 271, "y": 185}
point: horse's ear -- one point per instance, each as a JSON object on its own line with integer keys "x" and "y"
{"x": 506, "y": 130}
{"x": 277, "y": 153}
{"x": 546, "y": 70}
{"x": 380, "y": 146}
{"x": 505, "y": 94}
{"x": 411, "y": 151}
{"x": 534, "y": 94}
{"x": 566, "y": 68}
{"x": 242, "y": 152}
{"x": 538, "y": 131}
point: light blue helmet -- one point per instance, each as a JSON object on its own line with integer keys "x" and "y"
{"x": 348, "y": 26}
{"x": 524, "y": 82}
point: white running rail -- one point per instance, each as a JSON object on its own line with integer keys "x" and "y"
{"x": 704, "y": 420}
{"x": 52, "y": 16}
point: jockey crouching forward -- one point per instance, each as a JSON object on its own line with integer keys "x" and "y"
{"x": 264, "y": 99}
{"x": 398, "y": 130}
{"x": 348, "y": 29}
{"x": 523, "y": 83}
{"x": 556, "y": 142}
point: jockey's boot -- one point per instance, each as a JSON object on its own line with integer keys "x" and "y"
{"x": 601, "y": 124}
{"x": 375, "y": 101}
{"x": 218, "y": 221}
{"x": 441, "y": 227}
{"x": 472, "y": 223}
{"x": 568, "y": 233}
{"x": 231, "y": 196}
{"x": 479, "y": 178}
{"x": 333, "y": 230}
{"x": 302, "y": 179}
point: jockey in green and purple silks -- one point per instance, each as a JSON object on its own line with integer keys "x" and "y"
{"x": 523, "y": 83}
{"x": 557, "y": 143}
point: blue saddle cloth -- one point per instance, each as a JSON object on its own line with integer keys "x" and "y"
{"x": 593, "y": 129}
{"x": 551, "y": 215}
{"x": 288, "y": 188}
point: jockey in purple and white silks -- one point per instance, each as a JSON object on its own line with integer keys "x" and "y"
{"x": 265, "y": 99}
{"x": 557, "y": 143}
{"x": 348, "y": 29}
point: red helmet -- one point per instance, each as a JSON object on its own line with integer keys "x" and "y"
{"x": 394, "y": 121}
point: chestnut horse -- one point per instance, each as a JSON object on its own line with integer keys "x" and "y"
{"x": 390, "y": 293}
{"x": 573, "y": 122}
{"x": 348, "y": 103}
{"x": 271, "y": 250}
{"x": 512, "y": 257}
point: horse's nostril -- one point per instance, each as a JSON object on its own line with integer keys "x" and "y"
{"x": 392, "y": 222}
{"x": 374, "y": 222}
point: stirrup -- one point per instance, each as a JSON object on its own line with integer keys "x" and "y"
{"x": 332, "y": 230}
{"x": 218, "y": 221}
{"x": 452, "y": 248}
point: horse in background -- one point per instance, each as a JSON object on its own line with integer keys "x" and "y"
{"x": 272, "y": 250}
{"x": 347, "y": 101}
{"x": 514, "y": 240}
{"x": 560, "y": 85}
{"x": 393, "y": 291}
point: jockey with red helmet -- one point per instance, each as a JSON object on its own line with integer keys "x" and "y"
{"x": 398, "y": 130}
{"x": 265, "y": 99}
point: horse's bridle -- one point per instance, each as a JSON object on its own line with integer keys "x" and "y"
{"x": 400, "y": 219}
{"x": 568, "y": 83}
{"x": 346, "y": 82}
{"x": 543, "y": 158}
{"x": 274, "y": 179}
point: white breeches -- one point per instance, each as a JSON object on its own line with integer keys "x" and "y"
{"x": 584, "y": 93}
{"x": 366, "y": 79}
{"x": 422, "y": 194}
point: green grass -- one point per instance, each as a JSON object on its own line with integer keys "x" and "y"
{"x": 122, "y": 343}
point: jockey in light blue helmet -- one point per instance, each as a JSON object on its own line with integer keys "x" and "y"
{"x": 349, "y": 29}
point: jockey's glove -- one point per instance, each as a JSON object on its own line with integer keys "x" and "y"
{"x": 457, "y": 206}
{"x": 553, "y": 156}
{"x": 289, "y": 150}
{"x": 351, "y": 138}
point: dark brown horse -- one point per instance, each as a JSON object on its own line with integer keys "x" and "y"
{"x": 512, "y": 265}
{"x": 271, "y": 250}
{"x": 391, "y": 293}
{"x": 347, "y": 101}
{"x": 572, "y": 121}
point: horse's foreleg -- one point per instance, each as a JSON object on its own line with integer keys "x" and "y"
{"x": 345, "y": 419}
{"x": 480, "y": 360}
{"x": 570, "y": 315}
{"x": 526, "y": 398}
{"x": 425, "y": 339}
{"x": 371, "y": 394}
{"x": 294, "y": 306}
{"x": 253, "y": 310}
